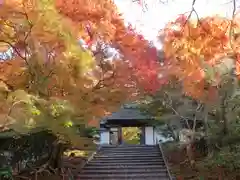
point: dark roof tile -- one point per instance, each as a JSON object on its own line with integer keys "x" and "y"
{"x": 128, "y": 114}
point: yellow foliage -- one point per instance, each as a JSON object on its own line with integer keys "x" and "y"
{"x": 77, "y": 153}
{"x": 131, "y": 134}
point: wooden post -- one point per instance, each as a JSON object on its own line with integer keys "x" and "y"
{"x": 142, "y": 138}
{"x": 119, "y": 135}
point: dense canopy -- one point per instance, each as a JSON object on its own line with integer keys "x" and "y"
{"x": 202, "y": 52}
{"x": 56, "y": 69}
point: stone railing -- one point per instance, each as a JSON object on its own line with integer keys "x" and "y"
{"x": 164, "y": 159}
{"x": 90, "y": 157}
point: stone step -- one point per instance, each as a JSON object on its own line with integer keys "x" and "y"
{"x": 130, "y": 148}
{"x": 125, "y": 163}
{"x": 127, "y": 146}
{"x": 132, "y": 151}
{"x": 127, "y": 155}
{"x": 137, "y": 176}
{"x": 129, "y": 166}
{"x": 148, "y": 178}
{"x": 110, "y": 160}
{"x": 123, "y": 171}
{"x": 128, "y": 158}
{"x": 129, "y": 152}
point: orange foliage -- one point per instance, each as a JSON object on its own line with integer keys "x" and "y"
{"x": 143, "y": 58}
{"x": 49, "y": 63}
{"x": 99, "y": 20}
{"x": 195, "y": 48}
{"x": 99, "y": 15}
{"x": 12, "y": 72}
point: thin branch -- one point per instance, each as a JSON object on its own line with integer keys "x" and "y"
{"x": 100, "y": 84}
{"x": 193, "y": 10}
{"x": 177, "y": 113}
{"x": 9, "y": 86}
{"x": 198, "y": 109}
{"x": 231, "y": 25}
{"x": 13, "y": 47}
{"x": 6, "y": 122}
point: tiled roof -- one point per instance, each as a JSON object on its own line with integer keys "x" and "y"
{"x": 128, "y": 113}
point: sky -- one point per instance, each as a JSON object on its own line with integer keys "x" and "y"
{"x": 150, "y": 21}
{"x": 159, "y": 12}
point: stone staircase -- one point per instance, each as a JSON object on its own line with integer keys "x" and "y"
{"x": 136, "y": 162}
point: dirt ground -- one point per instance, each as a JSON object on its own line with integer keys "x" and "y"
{"x": 74, "y": 163}
{"x": 178, "y": 165}
{"x": 181, "y": 169}
{"x": 40, "y": 177}
{"x": 43, "y": 176}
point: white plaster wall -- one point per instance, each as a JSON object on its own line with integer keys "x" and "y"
{"x": 149, "y": 135}
{"x": 105, "y": 137}
{"x": 113, "y": 129}
{"x": 114, "y": 136}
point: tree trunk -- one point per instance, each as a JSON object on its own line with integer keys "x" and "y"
{"x": 56, "y": 156}
{"x": 190, "y": 153}
{"x": 228, "y": 69}
{"x": 223, "y": 117}
{"x": 205, "y": 116}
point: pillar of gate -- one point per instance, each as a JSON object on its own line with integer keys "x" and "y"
{"x": 149, "y": 135}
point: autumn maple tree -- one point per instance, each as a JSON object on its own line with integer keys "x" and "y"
{"x": 110, "y": 28}
{"x": 49, "y": 80}
{"x": 56, "y": 72}
{"x": 201, "y": 52}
